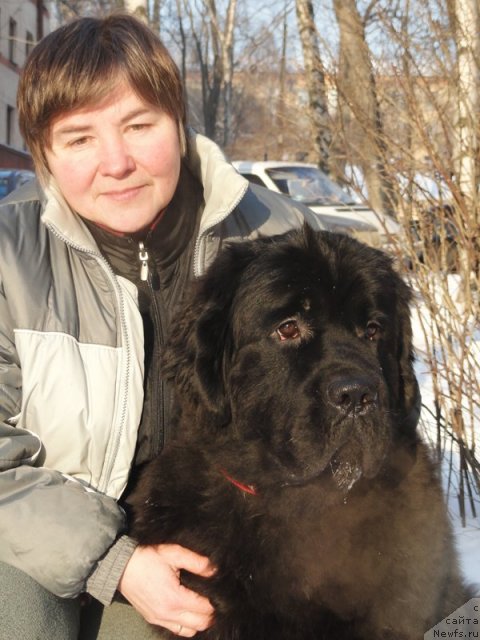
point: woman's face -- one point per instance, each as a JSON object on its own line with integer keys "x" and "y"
{"x": 117, "y": 163}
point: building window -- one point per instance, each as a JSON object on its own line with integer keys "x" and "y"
{"x": 12, "y": 39}
{"x": 29, "y": 43}
{"x": 10, "y": 121}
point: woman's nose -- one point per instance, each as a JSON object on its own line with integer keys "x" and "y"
{"x": 115, "y": 158}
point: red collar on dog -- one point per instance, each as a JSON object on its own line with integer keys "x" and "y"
{"x": 246, "y": 488}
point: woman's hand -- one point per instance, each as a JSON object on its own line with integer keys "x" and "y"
{"x": 151, "y": 583}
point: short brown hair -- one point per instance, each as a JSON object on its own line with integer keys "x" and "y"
{"x": 80, "y": 63}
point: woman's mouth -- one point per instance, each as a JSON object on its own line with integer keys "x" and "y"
{"x": 121, "y": 195}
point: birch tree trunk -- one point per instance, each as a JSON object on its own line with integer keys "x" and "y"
{"x": 466, "y": 163}
{"x": 358, "y": 98}
{"x": 467, "y": 25}
{"x": 315, "y": 77}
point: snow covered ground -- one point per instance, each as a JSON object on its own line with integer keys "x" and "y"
{"x": 468, "y": 537}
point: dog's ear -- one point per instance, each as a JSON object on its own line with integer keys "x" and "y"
{"x": 410, "y": 397}
{"x": 199, "y": 349}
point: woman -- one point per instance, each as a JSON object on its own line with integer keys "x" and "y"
{"x": 128, "y": 208}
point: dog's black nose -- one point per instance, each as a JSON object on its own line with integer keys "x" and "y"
{"x": 353, "y": 394}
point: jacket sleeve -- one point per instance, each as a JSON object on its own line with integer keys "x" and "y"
{"x": 103, "y": 581}
{"x": 52, "y": 526}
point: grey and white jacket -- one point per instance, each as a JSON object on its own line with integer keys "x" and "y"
{"x": 71, "y": 367}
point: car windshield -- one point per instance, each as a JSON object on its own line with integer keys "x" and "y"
{"x": 308, "y": 185}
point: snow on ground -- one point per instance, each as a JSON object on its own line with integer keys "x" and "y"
{"x": 467, "y": 537}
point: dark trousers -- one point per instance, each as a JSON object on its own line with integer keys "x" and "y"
{"x": 30, "y": 612}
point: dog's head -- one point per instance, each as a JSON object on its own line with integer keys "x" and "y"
{"x": 296, "y": 350}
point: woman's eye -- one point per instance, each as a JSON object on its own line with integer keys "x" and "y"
{"x": 139, "y": 126}
{"x": 372, "y": 331}
{"x": 288, "y": 330}
{"x": 78, "y": 142}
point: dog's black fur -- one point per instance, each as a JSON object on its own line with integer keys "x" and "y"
{"x": 292, "y": 366}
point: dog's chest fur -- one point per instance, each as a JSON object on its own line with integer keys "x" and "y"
{"x": 340, "y": 554}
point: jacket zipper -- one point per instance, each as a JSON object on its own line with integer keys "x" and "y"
{"x": 158, "y": 388}
{"x": 143, "y": 257}
{"x": 108, "y": 467}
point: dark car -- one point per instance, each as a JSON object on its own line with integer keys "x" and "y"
{"x": 10, "y": 179}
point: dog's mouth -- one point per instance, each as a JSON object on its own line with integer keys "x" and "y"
{"x": 356, "y": 458}
{"x": 345, "y": 473}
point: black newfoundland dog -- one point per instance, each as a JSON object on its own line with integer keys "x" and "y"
{"x": 297, "y": 468}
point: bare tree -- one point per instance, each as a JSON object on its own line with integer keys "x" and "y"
{"x": 280, "y": 115}
{"x": 467, "y": 26}
{"x": 467, "y": 165}
{"x": 207, "y": 57}
{"x": 358, "y": 99}
{"x": 418, "y": 95}
{"x": 212, "y": 36}
{"x": 315, "y": 78}
{"x": 183, "y": 43}
{"x": 270, "y": 118}
{"x": 224, "y": 38}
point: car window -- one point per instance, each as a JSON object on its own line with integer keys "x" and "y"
{"x": 308, "y": 185}
{"x": 251, "y": 177}
{"x": 4, "y": 189}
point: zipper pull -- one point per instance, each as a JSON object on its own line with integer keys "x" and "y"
{"x": 143, "y": 257}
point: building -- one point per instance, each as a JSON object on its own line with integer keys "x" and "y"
{"x": 22, "y": 24}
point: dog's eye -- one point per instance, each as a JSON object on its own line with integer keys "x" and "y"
{"x": 373, "y": 330}
{"x": 288, "y": 330}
